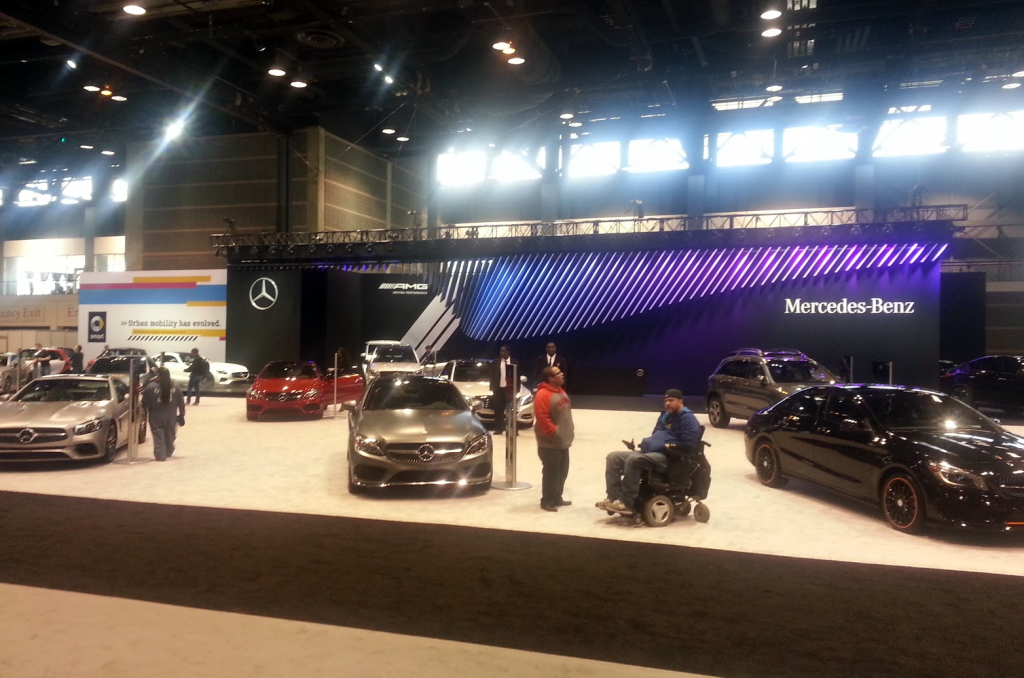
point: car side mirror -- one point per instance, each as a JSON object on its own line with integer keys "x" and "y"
{"x": 350, "y": 405}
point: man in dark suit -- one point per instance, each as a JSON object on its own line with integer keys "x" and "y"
{"x": 502, "y": 387}
{"x": 551, "y": 358}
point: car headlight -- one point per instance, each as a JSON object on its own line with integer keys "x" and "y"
{"x": 254, "y": 394}
{"x": 310, "y": 394}
{"x": 478, "y": 445}
{"x": 221, "y": 372}
{"x": 525, "y": 400}
{"x": 957, "y": 477}
{"x": 369, "y": 446}
{"x": 90, "y": 426}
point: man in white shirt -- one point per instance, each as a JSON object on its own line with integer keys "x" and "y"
{"x": 550, "y": 358}
{"x": 502, "y": 387}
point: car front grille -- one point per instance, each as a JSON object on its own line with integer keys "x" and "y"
{"x": 410, "y": 453}
{"x": 284, "y": 397}
{"x": 9, "y": 436}
{"x": 1010, "y": 486}
{"x": 41, "y": 455}
{"x": 240, "y": 375}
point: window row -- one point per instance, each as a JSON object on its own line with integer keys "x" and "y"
{"x": 898, "y": 136}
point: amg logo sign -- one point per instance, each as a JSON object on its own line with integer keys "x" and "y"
{"x": 404, "y": 288}
{"x": 876, "y": 305}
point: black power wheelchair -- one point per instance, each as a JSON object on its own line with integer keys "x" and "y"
{"x": 672, "y": 494}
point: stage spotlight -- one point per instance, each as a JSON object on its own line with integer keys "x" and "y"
{"x": 855, "y": 230}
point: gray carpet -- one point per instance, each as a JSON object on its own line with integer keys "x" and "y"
{"x": 712, "y": 612}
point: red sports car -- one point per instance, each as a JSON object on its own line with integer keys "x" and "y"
{"x": 298, "y": 388}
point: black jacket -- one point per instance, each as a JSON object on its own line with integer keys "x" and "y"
{"x": 542, "y": 362}
{"x": 496, "y": 375}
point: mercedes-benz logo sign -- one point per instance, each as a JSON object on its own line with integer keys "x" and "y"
{"x": 263, "y": 293}
{"x": 26, "y": 436}
{"x": 425, "y": 453}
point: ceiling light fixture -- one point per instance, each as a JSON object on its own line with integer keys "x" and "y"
{"x": 1018, "y": 74}
{"x": 389, "y": 80}
{"x": 771, "y": 14}
{"x": 86, "y": 147}
{"x": 501, "y": 45}
{"x": 1011, "y": 85}
{"x": 575, "y": 123}
{"x": 106, "y": 91}
{"x": 91, "y": 88}
{"x": 174, "y": 130}
{"x": 402, "y": 139}
{"x": 515, "y": 61}
{"x": 771, "y": 32}
{"x": 71, "y": 63}
{"x": 134, "y": 10}
{"x": 378, "y": 68}
{"x": 277, "y": 72}
{"x": 773, "y": 88}
{"x": 567, "y": 113}
{"x": 299, "y": 83}
{"x": 107, "y": 152}
{"x": 118, "y": 97}
{"x": 388, "y": 130}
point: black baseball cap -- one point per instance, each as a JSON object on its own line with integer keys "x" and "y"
{"x": 674, "y": 393}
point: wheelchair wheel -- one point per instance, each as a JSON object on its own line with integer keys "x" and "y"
{"x": 701, "y": 513}
{"x": 683, "y": 510}
{"x": 658, "y": 511}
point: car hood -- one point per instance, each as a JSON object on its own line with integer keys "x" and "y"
{"x": 412, "y": 426}
{"x": 479, "y": 389}
{"x": 999, "y": 452}
{"x": 14, "y": 414}
{"x": 228, "y": 367}
{"x": 285, "y": 385}
{"x": 395, "y": 367}
{"x": 790, "y": 388}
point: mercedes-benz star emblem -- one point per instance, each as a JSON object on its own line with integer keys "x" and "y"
{"x": 425, "y": 453}
{"x": 263, "y": 293}
{"x": 26, "y": 436}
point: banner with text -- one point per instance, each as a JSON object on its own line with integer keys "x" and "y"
{"x": 154, "y": 310}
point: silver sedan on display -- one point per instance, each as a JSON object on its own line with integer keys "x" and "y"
{"x": 473, "y": 379}
{"x": 414, "y": 431}
{"x": 65, "y": 417}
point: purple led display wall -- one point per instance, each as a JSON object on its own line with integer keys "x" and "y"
{"x": 673, "y": 315}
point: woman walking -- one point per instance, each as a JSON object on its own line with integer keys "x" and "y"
{"x": 166, "y": 407}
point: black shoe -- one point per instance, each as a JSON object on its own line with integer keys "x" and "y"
{"x": 545, "y": 507}
{"x": 564, "y": 502}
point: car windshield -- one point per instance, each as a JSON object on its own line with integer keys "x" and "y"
{"x": 798, "y": 372}
{"x": 394, "y": 354}
{"x": 413, "y": 394}
{"x": 118, "y": 365}
{"x": 288, "y": 371}
{"x": 64, "y": 391}
{"x": 923, "y": 410}
{"x": 4, "y": 360}
{"x": 472, "y": 372}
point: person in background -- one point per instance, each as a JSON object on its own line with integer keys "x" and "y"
{"x": 676, "y": 425}
{"x": 197, "y": 370}
{"x": 554, "y": 429}
{"x": 344, "y": 360}
{"x": 502, "y": 387}
{"x": 166, "y": 412}
{"x": 550, "y": 358}
{"x": 42, "y": 359}
{"x": 76, "y": 360}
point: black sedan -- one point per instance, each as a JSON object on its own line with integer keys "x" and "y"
{"x": 924, "y": 456}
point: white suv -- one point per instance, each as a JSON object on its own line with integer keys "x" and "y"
{"x": 385, "y": 356}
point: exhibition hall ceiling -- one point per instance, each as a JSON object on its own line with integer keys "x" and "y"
{"x": 428, "y": 70}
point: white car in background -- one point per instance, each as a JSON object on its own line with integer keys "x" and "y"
{"x": 221, "y": 374}
{"x": 389, "y": 357}
{"x": 473, "y": 379}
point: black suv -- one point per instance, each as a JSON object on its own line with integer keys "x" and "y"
{"x": 751, "y": 379}
{"x": 993, "y": 381}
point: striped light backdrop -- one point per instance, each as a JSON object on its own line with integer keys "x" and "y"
{"x": 523, "y": 296}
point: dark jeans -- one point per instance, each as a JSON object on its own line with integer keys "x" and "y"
{"x": 194, "y": 380}
{"x": 554, "y": 471}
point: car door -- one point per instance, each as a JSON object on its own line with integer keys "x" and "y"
{"x": 758, "y": 380}
{"x": 1009, "y": 382}
{"x": 730, "y": 387}
{"x": 983, "y": 380}
{"x": 793, "y": 427}
{"x": 121, "y": 392}
{"x": 842, "y": 446}
{"x": 749, "y": 394}
{"x": 57, "y": 362}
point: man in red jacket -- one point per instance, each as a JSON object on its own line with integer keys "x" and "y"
{"x": 552, "y": 413}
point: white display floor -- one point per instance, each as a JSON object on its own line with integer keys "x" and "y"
{"x": 224, "y": 461}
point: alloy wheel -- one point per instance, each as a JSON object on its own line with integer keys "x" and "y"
{"x": 902, "y": 503}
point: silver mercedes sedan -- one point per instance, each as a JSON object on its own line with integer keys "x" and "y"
{"x": 415, "y": 430}
{"x": 62, "y": 417}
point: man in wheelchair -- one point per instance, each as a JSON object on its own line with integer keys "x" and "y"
{"x": 676, "y": 433}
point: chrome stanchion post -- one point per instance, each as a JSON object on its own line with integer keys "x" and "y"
{"x": 134, "y": 401}
{"x": 17, "y": 371}
{"x": 334, "y": 409}
{"x": 511, "y": 420}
